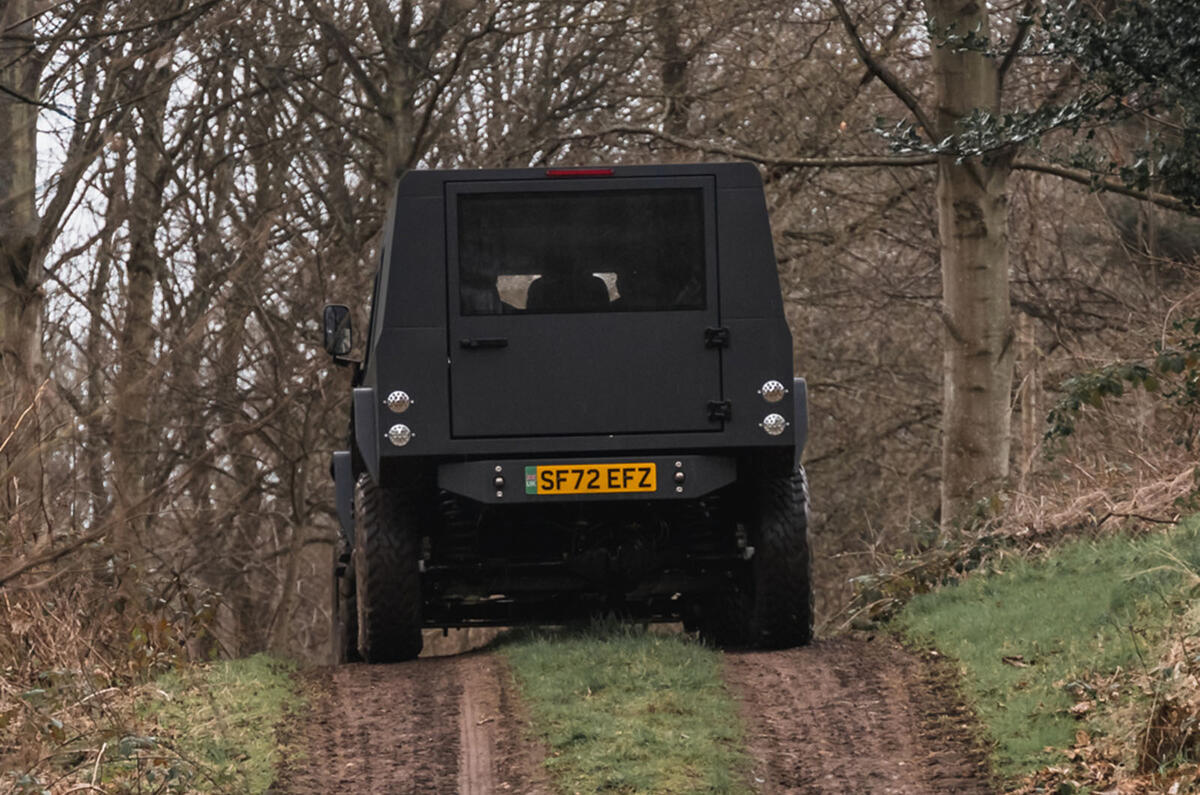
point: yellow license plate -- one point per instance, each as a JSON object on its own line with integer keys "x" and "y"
{"x": 590, "y": 478}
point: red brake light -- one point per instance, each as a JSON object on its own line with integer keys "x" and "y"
{"x": 579, "y": 172}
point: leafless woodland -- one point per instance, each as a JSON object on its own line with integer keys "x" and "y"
{"x": 184, "y": 184}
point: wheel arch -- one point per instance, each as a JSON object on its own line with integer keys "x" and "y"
{"x": 366, "y": 429}
{"x": 800, "y": 416}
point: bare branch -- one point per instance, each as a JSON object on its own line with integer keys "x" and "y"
{"x": 1107, "y": 184}
{"x": 892, "y": 36}
{"x": 885, "y": 75}
{"x": 335, "y": 36}
{"x": 1023, "y": 26}
{"x": 194, "y": 11}
{"x": 844, "y": 161}
{"x": 17, "y": 95}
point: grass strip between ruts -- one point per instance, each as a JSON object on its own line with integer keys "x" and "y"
{"x": 625, "y": 710}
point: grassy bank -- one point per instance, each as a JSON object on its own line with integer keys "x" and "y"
{"x": 628, "y": 711}
{"x": 1064, "y": 650}
{"x": 208, "y": 728}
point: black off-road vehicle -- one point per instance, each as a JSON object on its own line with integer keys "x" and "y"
{"x": 576, "y": 396}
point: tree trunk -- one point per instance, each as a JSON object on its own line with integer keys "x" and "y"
{"x": 132, "y": 392}
{"x": 99, "y": 341}
{"x": 674, "y": 70}
{"x": 972, "y": 207}
{"x": 22, "y": 301}
{"x": 1030, "y": 390}
{"x": 1029, "y": 371}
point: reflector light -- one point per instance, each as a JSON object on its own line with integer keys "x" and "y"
{"x": 579, "y": 172}
{"x": 773, "y": 424}
{"x": 399, "y": 435}
{"x": 398, "y": 401}
{"x": 772, "y": 391}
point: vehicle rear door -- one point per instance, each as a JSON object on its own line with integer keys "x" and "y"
{"x": 582, "y": 306}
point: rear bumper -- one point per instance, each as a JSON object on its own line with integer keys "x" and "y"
{"x": 545, "y": 480}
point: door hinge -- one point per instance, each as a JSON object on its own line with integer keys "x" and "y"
{"x": 717, "y": 337}
{"x": 720, "y": 410}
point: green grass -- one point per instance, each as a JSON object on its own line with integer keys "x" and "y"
{"x": 1073, "y": 617}
{"x": 213, "y": 726}
{"x": 623, "y": 710}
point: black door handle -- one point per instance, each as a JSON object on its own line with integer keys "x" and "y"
{"x": 484, "y": 342}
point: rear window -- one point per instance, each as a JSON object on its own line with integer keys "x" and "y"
{"x": 581, "y": 251}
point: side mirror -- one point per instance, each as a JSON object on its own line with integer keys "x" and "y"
{"x": 339, "y": 337}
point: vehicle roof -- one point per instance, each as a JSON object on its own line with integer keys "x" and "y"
{"x": 728, "y": 175}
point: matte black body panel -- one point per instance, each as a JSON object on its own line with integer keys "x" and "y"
{"x": 415, "y": 281}
{"x": 343, "y": 483}
{"x": 750, "y": 281}
{"x": 584, "y": 374}
{"x": 476, "y": 479}
{"x": 760, "y": 349}
{"x": 414, "y": 360}
{"x": 366, "y": 435}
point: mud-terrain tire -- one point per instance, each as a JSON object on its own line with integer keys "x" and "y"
{"x": 782, "y": 614}
{"x": 344, "y": 629}
{"x": 769, "y": 604}
{"x": 388, "y": 583}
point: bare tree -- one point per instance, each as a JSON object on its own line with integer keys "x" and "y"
{"x": 21, "y": 294}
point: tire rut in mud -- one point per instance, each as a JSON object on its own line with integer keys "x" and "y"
{"x": 436, "y": 725}
{"x": 851, "y": 715}
{"x": 844, "y": 715}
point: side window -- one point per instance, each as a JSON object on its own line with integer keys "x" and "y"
{"x": 581, "y": 251}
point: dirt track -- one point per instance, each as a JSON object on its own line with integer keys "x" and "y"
{"x": 437, "y": 725}
{"x": 841, "y": 716}
{"x": 854, "y": 716}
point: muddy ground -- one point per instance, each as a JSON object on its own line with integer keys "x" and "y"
{"x": 855, "y": 715}
{"x": 846, "y": 715}
{"x": 436, "y": 725}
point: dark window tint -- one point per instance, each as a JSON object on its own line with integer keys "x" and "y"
{"x": 581, "y": 251}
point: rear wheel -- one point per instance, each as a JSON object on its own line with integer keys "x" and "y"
{"x": 388, "y": 583}
{"x": 783, "y": 598}
{"x": 769, "y": 603}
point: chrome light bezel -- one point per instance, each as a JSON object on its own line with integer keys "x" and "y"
{"x": 774, "y": 424}
{"x": 773, "y": 391}
{"x": 400, "y": 435}
{"x": 398, "y": 401}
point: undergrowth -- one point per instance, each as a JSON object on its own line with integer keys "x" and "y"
{"x": 1173, "y": 374}
{"x": 215, "y": 724}
{"x": 1059, "y": 652}
{"x": 626, "y": 710}
{"x": 205, "y": 728}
